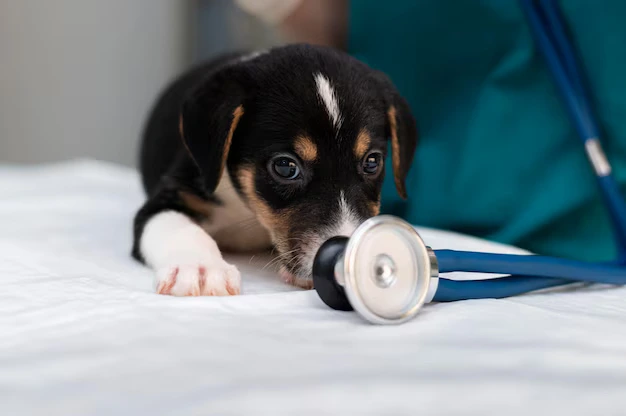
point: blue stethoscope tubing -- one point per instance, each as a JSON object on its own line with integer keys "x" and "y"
{"x": 546, "y": 22}
{"x": 531, "y": 273}
{"x": 528, "y": 273}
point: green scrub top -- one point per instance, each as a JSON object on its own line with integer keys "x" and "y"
{"x": 497, "y": 155}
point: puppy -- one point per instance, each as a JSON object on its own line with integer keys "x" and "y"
{"x": 282, "y": 148}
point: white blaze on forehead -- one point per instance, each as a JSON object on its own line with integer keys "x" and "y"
{"x": 327, "y": 95}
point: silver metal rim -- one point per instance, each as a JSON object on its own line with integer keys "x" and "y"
{"x": 349, "y": 265}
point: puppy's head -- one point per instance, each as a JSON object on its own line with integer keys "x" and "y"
{"x": 303, "y": 132}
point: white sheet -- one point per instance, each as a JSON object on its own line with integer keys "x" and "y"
{"x": 81, "y": 331}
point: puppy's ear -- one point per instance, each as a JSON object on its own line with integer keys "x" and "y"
{"x": 402, "y": 131}
{"x": 208, "y": 120}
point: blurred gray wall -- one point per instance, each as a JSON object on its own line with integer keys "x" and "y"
{"x": 78, "y": 76}
{"x": 221, "y": 27}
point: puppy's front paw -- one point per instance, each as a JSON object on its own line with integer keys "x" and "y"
{"x": 216, "y": 278}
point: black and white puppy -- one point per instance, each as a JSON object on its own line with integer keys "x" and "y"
{"x": 282, "y": 148}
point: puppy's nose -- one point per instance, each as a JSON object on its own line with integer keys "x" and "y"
{"x": 286, "y": 275}
{"x": 292, "y": 279}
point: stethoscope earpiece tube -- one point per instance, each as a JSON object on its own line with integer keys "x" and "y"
{"x": 549, "y": 29}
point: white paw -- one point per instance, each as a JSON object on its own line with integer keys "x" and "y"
{"x": 216, "y": 278}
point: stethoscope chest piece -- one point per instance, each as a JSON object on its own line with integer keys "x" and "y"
{"x": 384, "y": 271}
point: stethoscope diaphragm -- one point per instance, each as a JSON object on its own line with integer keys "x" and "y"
{"x": 384, "y": 271}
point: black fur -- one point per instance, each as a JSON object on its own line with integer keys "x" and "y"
{"x": 164, "y": 165}
{"x": 279, "y": 97}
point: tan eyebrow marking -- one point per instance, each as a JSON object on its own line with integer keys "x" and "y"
{"x": 363, "y": 141}
{"x": 305, "y": 148}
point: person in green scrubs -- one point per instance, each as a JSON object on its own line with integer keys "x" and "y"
{"x": 497, "y": 157}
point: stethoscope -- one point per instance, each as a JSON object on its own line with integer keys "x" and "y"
{"x": 387, "y": 273}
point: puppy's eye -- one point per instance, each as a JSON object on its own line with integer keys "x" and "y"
{"x": 372, "y": 163}
{"x": 285, "y": 167}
